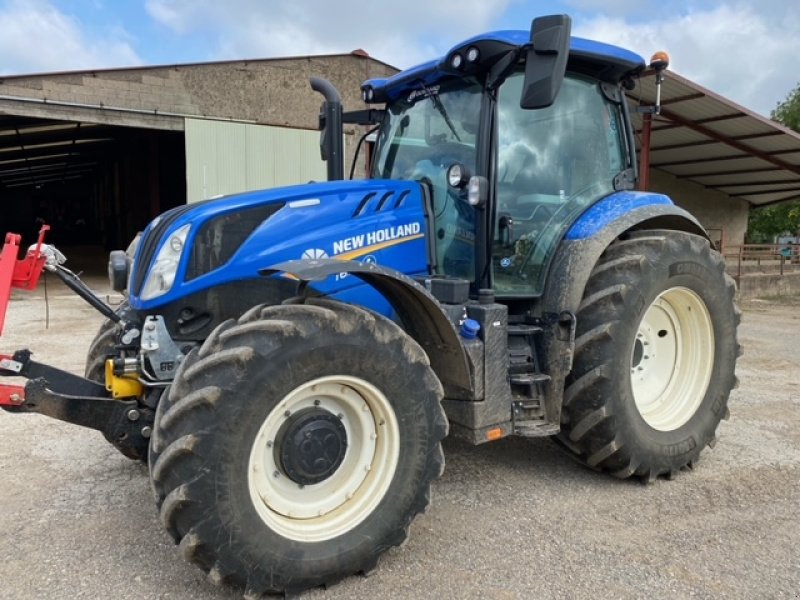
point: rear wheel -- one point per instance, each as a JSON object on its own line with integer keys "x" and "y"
{"x": 655, "y": 355}
{"x": 297, "y": 445}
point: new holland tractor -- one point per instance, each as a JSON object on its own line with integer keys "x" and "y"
{"x": 288, "y": 361}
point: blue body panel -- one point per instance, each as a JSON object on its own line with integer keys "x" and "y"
{"x": 434, "y": 70}
{"x": 316, "y": 221}
{"x": 610, "y": 208}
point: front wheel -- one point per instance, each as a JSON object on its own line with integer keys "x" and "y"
{"x": 655, "y": 355}
{"x": 296, "y": 445}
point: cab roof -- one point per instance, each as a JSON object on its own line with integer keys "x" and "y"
{"x": 603, "y": 61}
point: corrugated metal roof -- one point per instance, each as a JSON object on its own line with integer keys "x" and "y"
{"x": 710, "y": 140}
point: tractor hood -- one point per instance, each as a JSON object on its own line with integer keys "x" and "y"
{"x": 198, "y": 246}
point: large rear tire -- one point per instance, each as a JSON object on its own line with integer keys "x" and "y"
{"x": 655, "y": 355}
{"x": 296, "y": 445}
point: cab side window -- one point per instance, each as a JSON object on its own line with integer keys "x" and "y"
{"x": 551, "y": 164}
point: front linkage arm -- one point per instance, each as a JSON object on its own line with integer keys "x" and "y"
{"x": 50, "y": 391}
{"x": 67, "y": 397}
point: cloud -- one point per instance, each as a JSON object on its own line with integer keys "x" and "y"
{"x": 415, "y": 32}
{"x": 37, "y": 37}
{"x": 733, "y": 49}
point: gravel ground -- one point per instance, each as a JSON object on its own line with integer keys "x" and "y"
{"x": 512, "y": 519}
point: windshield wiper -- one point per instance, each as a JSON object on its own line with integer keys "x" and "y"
{"x": 437, "y": 104}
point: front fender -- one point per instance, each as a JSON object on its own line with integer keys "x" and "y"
{"x": 420, "y": 313}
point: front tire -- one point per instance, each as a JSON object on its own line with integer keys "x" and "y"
{"x": 101, "y": 347}
{"x": 655, "y": 354}
{"x": 296, "y": 445}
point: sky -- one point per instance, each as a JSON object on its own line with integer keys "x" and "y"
{"x": 742, "y": 49}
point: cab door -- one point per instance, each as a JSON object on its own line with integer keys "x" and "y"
{"x": 552, "y": 163}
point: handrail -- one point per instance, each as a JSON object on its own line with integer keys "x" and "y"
{"x": 785, "y": 256}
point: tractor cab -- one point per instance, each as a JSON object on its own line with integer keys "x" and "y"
{"x": 508, "y": 172}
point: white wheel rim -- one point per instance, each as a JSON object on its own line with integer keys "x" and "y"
{"x": 339, "y": 503}
{"x": 672, "y": 359}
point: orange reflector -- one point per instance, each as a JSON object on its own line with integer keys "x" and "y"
{"x": 494, "y": 434}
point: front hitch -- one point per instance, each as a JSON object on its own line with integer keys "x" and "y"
{"x": 73, "y": 399}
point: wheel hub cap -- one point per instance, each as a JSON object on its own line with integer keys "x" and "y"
{"x": 311, "y": 445}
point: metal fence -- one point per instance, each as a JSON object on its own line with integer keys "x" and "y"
{"x": 762, "y": 258}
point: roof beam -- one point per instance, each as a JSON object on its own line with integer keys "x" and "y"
{"x": 35, "y": 169}
{"x": 683, "y": 145}
{"x": 79, "y": 149}
{"x": 764, "y": 192}
{"x": 693, "y": 161}
{"x": 761, "y": 183}
{"x": 738, "y": 138}
{"x": 698, "y": 127}
{"x": 720, "y": 173}
{"x": 686, "y": 98}
{"x": 43, "y": 181}
{"x": 57, "y": 135}
{"x": 44, "y": 176}
{"x": 666, "y": 113}
{"x": 774, "y": 202}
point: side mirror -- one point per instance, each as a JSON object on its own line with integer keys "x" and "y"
{"x": 546, "y": 61}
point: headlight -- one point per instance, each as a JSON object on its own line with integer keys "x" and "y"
{"x": 162, "y": 274}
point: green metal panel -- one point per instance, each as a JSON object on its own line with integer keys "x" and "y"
{"x": 225, "y": 158}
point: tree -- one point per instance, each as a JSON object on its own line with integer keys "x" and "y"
{"x": 788, "y": 112}
{"x": 766, "y": 223}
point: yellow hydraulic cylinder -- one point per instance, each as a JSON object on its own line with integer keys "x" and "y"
{"x": 121, "y": 387}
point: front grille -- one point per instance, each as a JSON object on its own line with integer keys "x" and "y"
{"x": 219, "y": 238}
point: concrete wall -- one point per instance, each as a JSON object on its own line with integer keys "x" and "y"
{"x": 767, "y": 285}
{"x": 715, "y": 210}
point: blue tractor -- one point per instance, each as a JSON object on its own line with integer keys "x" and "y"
{"x": 289, "y": 360}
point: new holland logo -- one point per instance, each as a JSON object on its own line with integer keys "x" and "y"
{"x": 354, "y": 247}
{"x": 314, "y": 253}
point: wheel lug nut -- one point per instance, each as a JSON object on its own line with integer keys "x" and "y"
{"x": 288, "y": 413}
{"x": 275, "y": 474}
{"x": 316, "y": 402}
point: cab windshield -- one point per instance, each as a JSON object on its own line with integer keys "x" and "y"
{"x": 427, "y": 131}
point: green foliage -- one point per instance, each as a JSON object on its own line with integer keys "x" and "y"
{"x": 788, "y": 111}
{"x": 771, "y": 221}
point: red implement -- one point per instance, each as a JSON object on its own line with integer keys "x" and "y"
{"x": 11, "y": 395}
{"x": 23, "y": 274}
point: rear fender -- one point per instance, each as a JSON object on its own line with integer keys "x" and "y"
{"x": 420, "y": 313}
{"x": 569, "y": 272}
